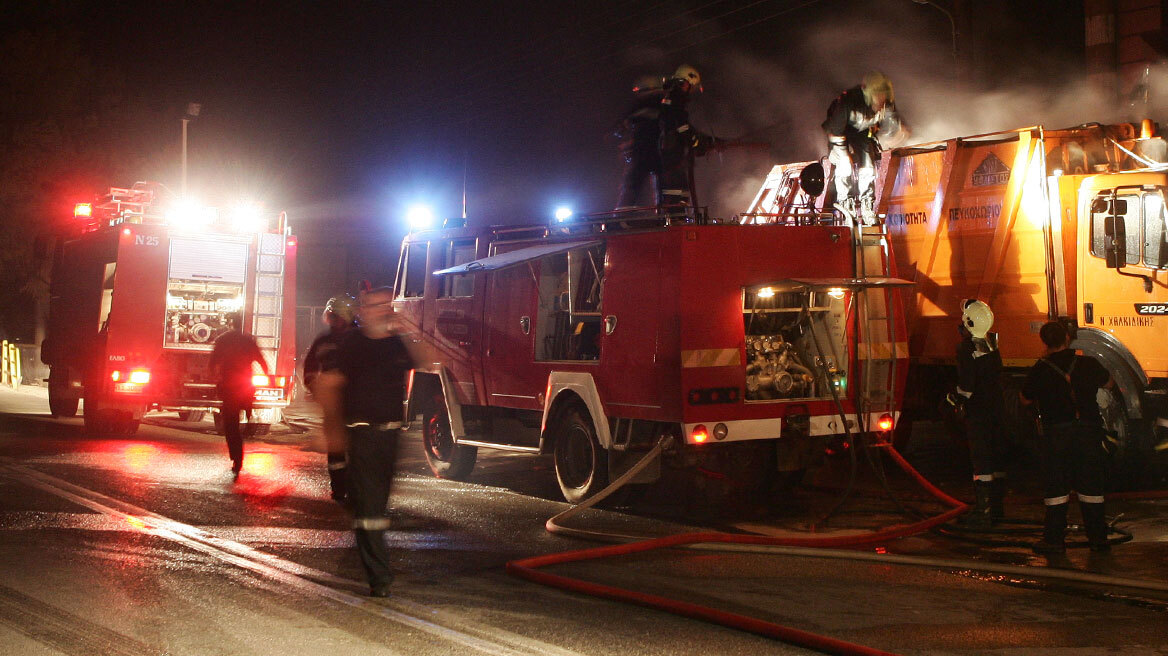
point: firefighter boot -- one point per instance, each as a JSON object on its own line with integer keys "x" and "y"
{"x": 1053, "y": 530}
{"x": 1095, "y": 523}
{"x": 978, "y": 516}
{"x": 997, "y": 499}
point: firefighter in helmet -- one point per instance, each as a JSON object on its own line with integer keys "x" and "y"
{"x": 658, "y": 141}
{"x": 857, "y": 122}
{"x": 339, "y": 314}
{"x": 981, "y": 402}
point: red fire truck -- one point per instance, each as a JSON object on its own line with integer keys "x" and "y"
{"x": 140, "y": 293}
{"x": 593, "y": 339}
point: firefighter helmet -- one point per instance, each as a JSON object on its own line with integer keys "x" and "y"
{"x": 876, "y": 82}
{"x": 977, "y": 317}
{"x": 689, "y": 74}
{"x": 343, "y": 307}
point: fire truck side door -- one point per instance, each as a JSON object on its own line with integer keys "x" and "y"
{"x": 411, "y": 286}
{"x": 458, "y": 325}
{"x": 511, "y": 377}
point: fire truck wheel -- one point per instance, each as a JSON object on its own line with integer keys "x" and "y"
{"x": 60, "y": 406}
{"x": 581, "y": 463}
{"x": 446, "y": 459}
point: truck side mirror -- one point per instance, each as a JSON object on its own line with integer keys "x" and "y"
{"x": 1115, "y": 244}
{"x": 811, "y": 179}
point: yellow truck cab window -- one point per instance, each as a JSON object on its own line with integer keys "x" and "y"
{"x": 1155, "y": 232}
{"x": 1129, "y": 209}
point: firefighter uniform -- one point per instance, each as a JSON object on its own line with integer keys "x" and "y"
{"x": 854, "y": 120}
{"x": 232, "y": 356}
{"x": 979, "y": 371}
{"x": 678, "y": 144}
{"x": 639, "y": 131}
{"x": 659, "y": 142}
{"x": 338, "y": 314}
{"x": 373, "y": 368}
{"x": 1064, "y": 385}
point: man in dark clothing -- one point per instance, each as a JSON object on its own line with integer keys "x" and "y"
{"x": 1064, "y": 385}
{"x": 855, "y": 120}
{"x": 363, "y": 403}
{"x": 979, "y": 393}
{"x": 661, "y": 142}
{"x": 339, "y": 314}
{"x": 231, "y": 358}
{"x": 639, "y": 131}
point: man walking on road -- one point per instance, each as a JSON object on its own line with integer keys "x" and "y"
{"x": 362, "y": 396}
{"x": 231, "y": 359}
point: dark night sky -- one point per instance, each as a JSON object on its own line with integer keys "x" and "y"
{"x": 346, "y": 109}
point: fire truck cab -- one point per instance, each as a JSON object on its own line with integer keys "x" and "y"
{"x": 140, "y": 293}
{"x": 592, "y": 340}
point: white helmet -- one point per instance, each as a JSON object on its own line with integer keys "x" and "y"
{"x": 977, "y": 317}
{"x": 689, "y": 74}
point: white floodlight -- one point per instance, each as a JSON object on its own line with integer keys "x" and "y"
{"x": 419, "y": 217}
{"x": 563, "y": 213}
{"x": 248, "y": 216}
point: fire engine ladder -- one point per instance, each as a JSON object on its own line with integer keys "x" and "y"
{"x": 269, "y": 299}
{"x": 876, "y": 341}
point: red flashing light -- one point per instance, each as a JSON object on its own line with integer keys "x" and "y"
{"x": 139, "y": 376}
{"x": 82, "y": 211}
{"x": 260, "y": 380}
{"x": 885, "y": 422}
{"x": 115, "y": 376}
{"x": 700, "y": 434}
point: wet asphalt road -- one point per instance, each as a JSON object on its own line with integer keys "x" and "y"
{"x": 144, "y": 545}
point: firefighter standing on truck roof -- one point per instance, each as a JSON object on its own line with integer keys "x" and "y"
{"x": 659, "y": 141}
{"x": 339, "y": 314}
{"x": 362, "y": 395}
{"x": 1064, "y": 385}
{"x": 979, "y": 396}
{"x": 855, "y": 120}
{"x": 231, "y": 357}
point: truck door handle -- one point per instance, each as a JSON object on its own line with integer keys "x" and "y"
{"x": 525, "y": 325}
{"x": 609, "y": 324}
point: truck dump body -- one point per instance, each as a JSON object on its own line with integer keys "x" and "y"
{"x": 1023, "y": 220}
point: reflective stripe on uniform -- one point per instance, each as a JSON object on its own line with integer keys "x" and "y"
{"x": 983, "y": 478}
{"x": 1057, "y": 501}
{"x": 1090, "y": 498}
{"x": 334, "y": 466}
{"x": 371, "y": 523}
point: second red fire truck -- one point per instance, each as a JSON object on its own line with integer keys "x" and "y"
{"x": 141, "y": 291}
{"x": 594, "y": 339}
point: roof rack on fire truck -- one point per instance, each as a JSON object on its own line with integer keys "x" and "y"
{"x": 138, "y": 204}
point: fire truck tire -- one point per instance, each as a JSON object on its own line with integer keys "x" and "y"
{"x": 445, "y": 458}
{"x": 581, "y": 463}
{"x": 193, "y": 416}
{"x": 61, "y": 406}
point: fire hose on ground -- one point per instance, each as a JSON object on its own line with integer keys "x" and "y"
{"x": 817, "y": 547}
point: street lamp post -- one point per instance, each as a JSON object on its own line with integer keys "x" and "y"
{"x": 952, "y": 24}
{"x": 192, "y": 113}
